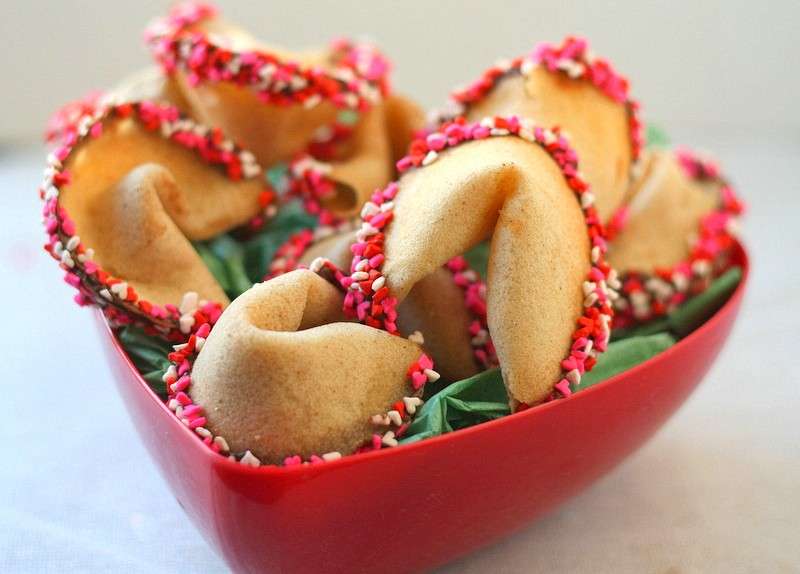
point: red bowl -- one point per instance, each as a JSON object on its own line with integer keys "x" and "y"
{"x": 423, "y": 504}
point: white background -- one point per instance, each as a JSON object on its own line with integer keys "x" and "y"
{"x": 703, "y": 63}
{"x": 717, "y": 490}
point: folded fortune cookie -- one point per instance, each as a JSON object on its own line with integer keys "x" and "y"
{"x": 468, "y": 186}
{"x": 566, "y": 87}
{"x": 283, "y": 374}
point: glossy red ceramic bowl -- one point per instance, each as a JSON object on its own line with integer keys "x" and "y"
{"x": 420, "y": 505}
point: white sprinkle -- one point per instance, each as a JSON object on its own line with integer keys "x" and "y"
{"x": 329, "y": 456}
{"x": 480, "y": 338}
{"x": 250, "y": 170}
{"x": 416, "y": 337}
{"x": 73, "y": 243}
{"x": 186, "y": 322}
{"x": 250, "y": 460}
{"x": 369, "y": 210}
{"x": 297, "y": 83}
{"x": 527, "y": 66}
{"x": 378, "y": 283}
{"x": 380, "y": 420}
{"x": 173, "y": 404}
{"x": 203, "y": 432}
{"x": 589, "y": 287}
{"x": 361, "y": 265}
{"x": 432, "y": 375}
{"x": 470, "y": 275}
{"x": 360, "y": 276}
{"x": 120, "y": 289}
{"x": 312, "y": 101}
{"x": 366, "y": 231}
{"x": 431, "y": 157}
{"x": 701, "y": 267}
{"x": 317, "y": 265}
{"x": 395, "y": 418}
{"x": 170, "y": 374}
{"x": 105, "y": 294}
{"x": 574, "y": 377}
{"x": 527, "y": 133}
{"x": 66, "y": 259}
{"x": 223, "y": 446}
{"x": 681, "y": 281}
{"x": 388, "y": 439}
{"x": 590, "y": 300}
{"x": 188, "y": 303}
{"x": 412, "y": 403}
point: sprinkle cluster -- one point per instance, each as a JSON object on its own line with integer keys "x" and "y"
{"x": 356, "y": 80}
{"x": 389, "y": 426}
{"x": 572, "y": 58}
{"x": 119, "y": 300}
{"x": 368, "y": 297}
{"x": 310, "y": 182}
{"x": 66, "y": 119}
{"x": 646, "y": 296}
{"x": 474, "y": 290}
{"x": 287, "y": 256}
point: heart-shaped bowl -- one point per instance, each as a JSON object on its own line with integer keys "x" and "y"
{"x": 418, "y": 505}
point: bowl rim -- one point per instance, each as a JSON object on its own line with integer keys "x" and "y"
{"x": 741, "y": 258}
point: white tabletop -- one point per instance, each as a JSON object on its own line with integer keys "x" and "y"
{"x": 718, "y": 489}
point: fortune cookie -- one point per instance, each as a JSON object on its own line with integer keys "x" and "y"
{"x": 282, "y": 374}
{"x": 673, "y": 235}
{"x": 507, "y": 180}
{"x": 126, "y": 197}
{"x": 286, "y": 107}
{"x": 565, "y": 86}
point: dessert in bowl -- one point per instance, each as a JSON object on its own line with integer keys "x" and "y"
{"x": 323, "y": 311}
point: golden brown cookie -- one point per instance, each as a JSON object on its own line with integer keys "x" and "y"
{"x": 124, "y": 198}
{"x": 568, "y": 87}
{"x": 282, "y": 374}
{"x": 504, "y": 179}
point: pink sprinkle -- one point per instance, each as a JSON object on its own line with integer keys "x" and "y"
{"x": 563, "y": 387}
{"x": 192, "y": 411}
{"x": 72, "y": 279}
{"x": 183, "y": 399}
{"x": 418, "y": 380}
{"x": 203, "y": 330}
{"x": 198, "y": 422}
{"x": 425, "y": 362}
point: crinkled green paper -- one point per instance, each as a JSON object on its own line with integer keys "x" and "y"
{"x": 483, "y": 397}
{"x": 656, "y": 137}
{"x": 237, "y": 264}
